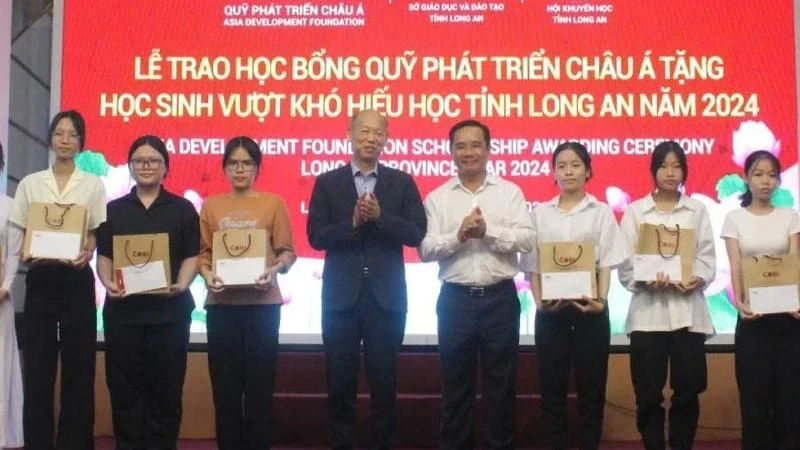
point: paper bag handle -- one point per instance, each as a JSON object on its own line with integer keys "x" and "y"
{"x": 149, "y": 255}
{"x": 564, "y": 266}
{"x": 236, "y": 254}
{"x": 775, "y": 259}
{"x": 677, "y": 232}
{"x": 56, "y": 223}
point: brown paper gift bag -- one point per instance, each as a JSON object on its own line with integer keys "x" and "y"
{"x": 769, "y": 271}
{"x": 138, "y": 251}
{"x": 249, "y": 250}
{"x": 567, "y": 257}
{"x": 668, "y": 242}
{"x": 49, "y": 218}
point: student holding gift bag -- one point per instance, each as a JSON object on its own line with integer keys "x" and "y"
{"x": 573, "y": 331}
{"x": 60, "y": 312}
{"x": 246, "y": 243}
{"x": 768, "y": 329}
{"x": 672, "y": 247}
{"x": 147, "y": 259}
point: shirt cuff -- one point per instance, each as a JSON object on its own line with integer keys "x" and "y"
{"x": 492, "y": 232}
{"x": 452, "y": 242}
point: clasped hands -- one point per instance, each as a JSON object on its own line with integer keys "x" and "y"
{"x": 473, "y": 226}
{"x": 367, "y": 209}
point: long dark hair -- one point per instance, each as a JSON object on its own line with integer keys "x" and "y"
{"x": 749, "y": 163}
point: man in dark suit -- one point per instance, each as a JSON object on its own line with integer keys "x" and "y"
{"x": 362, "y": 214}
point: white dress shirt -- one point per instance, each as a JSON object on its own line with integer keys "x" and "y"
{"x": 668, "y": 310}
{"x": 477, "y": 262}
{"x": 588, "y": 221}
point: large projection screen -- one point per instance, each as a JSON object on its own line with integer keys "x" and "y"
{"x": 718, "y": 76}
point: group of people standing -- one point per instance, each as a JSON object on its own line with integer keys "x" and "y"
{"x": 475, "y": 226}
{"x": 478, "y": 228}
{"x": 146, "y": 334}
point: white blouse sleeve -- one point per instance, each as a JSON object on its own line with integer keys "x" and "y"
{"x": 613, "y": 248}
{"x": 14, "y": 242}
{"x": 630, "y": 232}
{"x": 705, "y": 260}
{"x": 729, "y": 227}
{"x": 794, "y": 225}
{"x": 96, "y": 206}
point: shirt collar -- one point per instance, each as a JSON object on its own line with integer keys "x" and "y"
{"x": 74, "y": 179}
{"x": 587, "y": 201}
{"x": 163, "y": 197}
{"x": 357, "y": 171}
{"x": 455, "y": 182}
{"x": 683, "y": 202}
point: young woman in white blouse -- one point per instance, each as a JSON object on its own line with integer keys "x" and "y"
{"x": 10, "y": 375}
{"x": 767, "y": 346}
{"x": 574, "y": 332}
{"x": 668, "y": 320}
{"x": 60, "y": 318}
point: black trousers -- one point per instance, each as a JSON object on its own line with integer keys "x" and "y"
{"x": 566, "y": 339}
{"x": 242, "y": 357}
{"x": 60, "y": 316}
{"x": 651, "y": 352}
{"x": 767, "y": 368}
{"x": 145, "y": 369}
{"x": 477, "y": 322}
{"x": 382, "y": 332}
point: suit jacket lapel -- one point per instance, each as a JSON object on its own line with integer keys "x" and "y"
{"x": 383, "y": 181}
{"x": 348, "y": 185}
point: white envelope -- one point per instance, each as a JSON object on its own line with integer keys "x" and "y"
{"x": 774, "y": 299}
{"x": 645, "y": 267}
{"x": 569, "y": 285}
{"x": 55, "y": 245}
{"x": 142, "y": 279}
{"x": 239, "y": 271}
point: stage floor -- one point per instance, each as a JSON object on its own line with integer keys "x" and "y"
{"x": 108, "y": 444}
